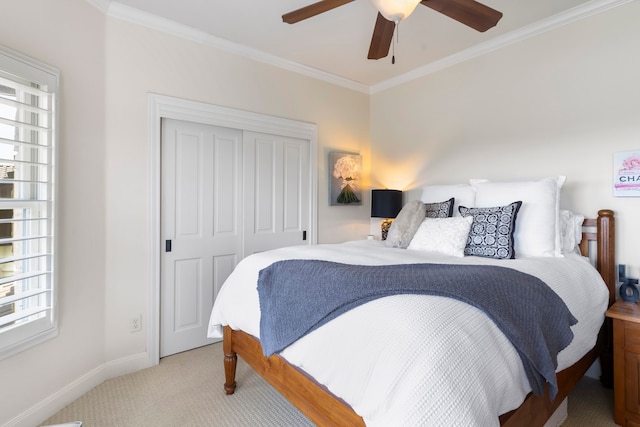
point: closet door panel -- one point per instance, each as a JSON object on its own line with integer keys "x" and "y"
{"x": 277, "y": 199}
{"x": 201, "y": 222}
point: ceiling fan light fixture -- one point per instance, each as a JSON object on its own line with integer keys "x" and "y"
{"x": 395, "y": 10}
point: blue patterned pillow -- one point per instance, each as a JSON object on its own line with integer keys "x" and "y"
{"x": 440, "y": 210}
{"x": 492, "y": 231}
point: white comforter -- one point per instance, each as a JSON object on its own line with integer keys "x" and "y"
{"x": 417, "y": 360}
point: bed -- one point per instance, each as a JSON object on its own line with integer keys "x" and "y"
{"x": 475, "y": 379}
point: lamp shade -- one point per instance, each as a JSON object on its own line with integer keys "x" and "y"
{"x": 385, "y": 203}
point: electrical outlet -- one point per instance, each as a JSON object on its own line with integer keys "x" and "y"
{"x": 135, "y": 324}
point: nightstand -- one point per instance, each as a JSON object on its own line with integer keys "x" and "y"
{"x": 626, "y": 362}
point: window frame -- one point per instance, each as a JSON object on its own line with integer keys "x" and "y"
{"x": 20, "y": 338}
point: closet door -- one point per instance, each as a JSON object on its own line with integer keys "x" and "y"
{"x": 201, "y": 227}
{"x": 277, "y": 196}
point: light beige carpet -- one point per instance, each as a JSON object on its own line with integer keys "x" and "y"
{"x": 186, "y": 390}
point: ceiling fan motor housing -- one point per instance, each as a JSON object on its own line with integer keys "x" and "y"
{"x": 395, "y": 10}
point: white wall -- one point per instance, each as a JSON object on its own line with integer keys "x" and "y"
{"x": 558, "y": 104}
{"x": 69, "y": 35}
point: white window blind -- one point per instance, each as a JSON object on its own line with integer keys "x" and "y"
{"x": 27, "y": 142}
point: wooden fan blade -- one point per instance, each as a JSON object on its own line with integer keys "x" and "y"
{"x": 469, "y": 12}
{"x": 312, "y": 10}
{"x": 381, "y": 38}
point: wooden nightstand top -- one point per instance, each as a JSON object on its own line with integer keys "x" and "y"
{"x": 623, "y": 310}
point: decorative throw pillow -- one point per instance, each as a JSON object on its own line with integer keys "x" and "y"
{"x": 443, "y": 235}
{"x": 440, "y": 210}
{"x": 405, "y": 225}
{"x": 463, "y": 194}
{"x": 492, "y": 230}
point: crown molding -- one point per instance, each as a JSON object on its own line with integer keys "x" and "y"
{"x": 556, "y": 21}
{"x": 136, "y": 16}
{"x": 126, "y": 13}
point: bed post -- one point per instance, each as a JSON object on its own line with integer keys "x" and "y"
{"x": 606, "y": 262}
{"x": 230, "y": 361}
{"x": 606, "y": 265}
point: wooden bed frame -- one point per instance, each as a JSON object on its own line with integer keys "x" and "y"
{"x": 325, "y": 409}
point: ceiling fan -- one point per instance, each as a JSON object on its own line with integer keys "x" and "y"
{"x": 469, "y": 12}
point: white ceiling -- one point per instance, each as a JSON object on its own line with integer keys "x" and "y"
{"x": 334, "y": 45}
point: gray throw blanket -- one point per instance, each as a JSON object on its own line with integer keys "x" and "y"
{"x": 298, "y": 296}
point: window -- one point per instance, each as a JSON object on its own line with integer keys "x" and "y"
{"x": 27, "y": 142}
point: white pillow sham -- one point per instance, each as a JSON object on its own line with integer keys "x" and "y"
{"x": 570, "y": 231}
{"x": 443, "y": 235}
{"x": 537, "y": 232}
{"x": 464, "y": 194}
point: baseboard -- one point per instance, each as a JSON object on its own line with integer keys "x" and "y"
{"x": 46, "y": 408}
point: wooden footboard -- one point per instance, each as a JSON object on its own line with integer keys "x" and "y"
{"x": 325, "y": 409}
{"x": 311, "y": 398}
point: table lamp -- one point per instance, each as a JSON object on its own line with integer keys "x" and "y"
{"x": 385, "y": 204}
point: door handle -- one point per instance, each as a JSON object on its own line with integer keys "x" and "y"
{"x": 304, "y": 235}
{"x": 167, "y": 246}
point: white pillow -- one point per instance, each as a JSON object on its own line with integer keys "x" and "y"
{"x": 464, "y": 194}
{"x": 443, "y": 235}
{"x": 570, "y": 231}
{"x": 537, "y": 231}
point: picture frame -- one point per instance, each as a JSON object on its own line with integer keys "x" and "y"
{"x": 626, "y": 174}
{"x": 345, "y": 179}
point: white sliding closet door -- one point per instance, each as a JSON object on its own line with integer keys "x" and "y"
{"x": 201, "y": 227}
{"x": 277, "y": 196}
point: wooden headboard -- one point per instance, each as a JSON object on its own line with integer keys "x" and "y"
{"x": 601, "y": 231}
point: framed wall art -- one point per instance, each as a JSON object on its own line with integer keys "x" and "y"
{"x": 626, "y": 174}
{"x": 345, "y": 179}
